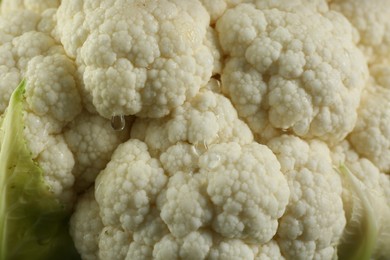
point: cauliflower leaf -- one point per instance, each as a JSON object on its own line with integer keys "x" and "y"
{"x": 33, "y": 223}
{"x": 360, "y": 236}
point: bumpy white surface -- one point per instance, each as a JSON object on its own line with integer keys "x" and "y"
{"x": 128, "y": 186}
{"x": 151, "y": 54}
{"x": 8, "y": 6}
{"x": 57, "y": 162}
{"x": 199, "y": 206}
{"x": 208, "y": 118}
{"x": 237, "y": 190}
{"x": 291, "y": 68}
{"x": 314, "y": 219}
{"x": 92, "y": 140}
{"x": 371, "y": 135}
{"x": 51, "y": 89}
{"x": 372, "y": 24}
{"x": 86, "y": 225}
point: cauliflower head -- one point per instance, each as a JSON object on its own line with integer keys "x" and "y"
{"x": 194, "y": 129}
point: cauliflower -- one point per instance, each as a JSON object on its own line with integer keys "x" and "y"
{"x": 208, "y": 118}
{"x": 194, "y": 129}
{"x": 22, "y": 43}
{"x": 371, "y": 135}
{"x": 154, "y": 55}
{"x": 8, "y": 6}
{"x": 149, "y": 189}
{"x": 92, "y": 142}
{"x": 371, "y": 25}
{"x": 314, "y": 219}
{"x": 292, "y": 69}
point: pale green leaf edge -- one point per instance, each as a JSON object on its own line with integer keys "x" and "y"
{"x": 33, "y": 223}
{"x": 361, "y": 233}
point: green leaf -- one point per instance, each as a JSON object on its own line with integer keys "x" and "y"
{"x": 361, "y": 232}
{"x": 33, "y": 223}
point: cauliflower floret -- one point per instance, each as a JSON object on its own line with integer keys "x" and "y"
{"x": 146, "y": 236}
{"x": 12, "y": 26}
{"x": 230, "y": 191}
{"x": 16, "y": 23}
{"x": 86, "y": 225}
{"x": 208, "y": 118}
{"x": 206, "y": 245}
{"x": 22, "y": 44}
{"x": 57, "y": 162}
{"x": 8, "y": 6}
{"x": 217, "y": 7}
{"x": 113, "y": 243}
{"x": 138, "y": 57}
{"x": 128, "y": 187}
{"x": 51, "y": 89}
{"x": 288, "y": 5}
{"x": 269, "y": 251}
{"x": 314, "y": 220}
{"x": 296, "y": 70}
{"x": 92, "y": 140}
{"x": 154, "y": 207}
{"x": 372, "y": 25}
{"x": 371, "y": 135}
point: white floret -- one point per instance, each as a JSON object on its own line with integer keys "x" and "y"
{"x": 217, "y": 7}
{"x": 236, "y": 190}
{"x": 314, "y": 219}
{"x": 21, "y": 44}
{"x": 113, "y": 243}
{"x": 184, "y": 205}
{"x": 86, "y": 226}
{"x": 202, "y": 245}
{"x": 57, "y": 162}
{"x": 138, "y": 57}
{"x": 230, "y": 200}
{"x": 231, "y": 249}
{"x": 127, "y": 188}
{"x": 16, "y": 23}
{"x": 36, "y": 132}
{"x": 371, "y": 135}
{"x": 208, "y": 118}
{"x": 92, "y": 140}
{"x": 8, "y": 6}
{"x": 297, "y": 70}
{"x": 150, "y": 232}
{"x": 12, "y": 26}
{"x": 51, "y": 89}
{"x": 372, "y": 25}
{"x": 269, "y": 251}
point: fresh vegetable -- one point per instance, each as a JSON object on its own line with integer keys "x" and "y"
{"x": 33, "y": 222}
{"x": 195, "y": 129}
